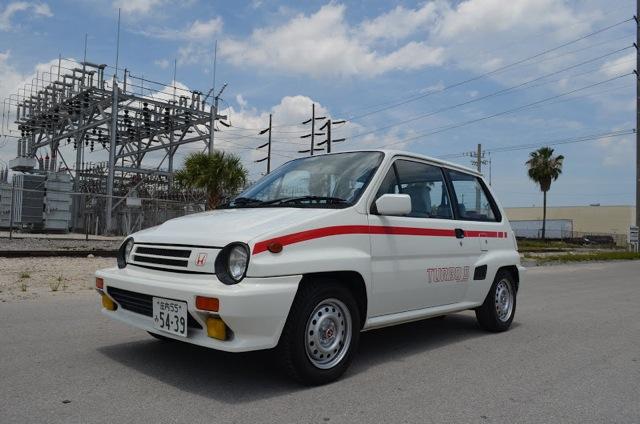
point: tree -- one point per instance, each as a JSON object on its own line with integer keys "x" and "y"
{"x": 220, "y": 175}
{"x": 544, "y": 168}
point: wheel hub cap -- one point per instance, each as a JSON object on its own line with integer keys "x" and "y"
{"x": 504, "y": 300}
{"x": 328, "y": 333}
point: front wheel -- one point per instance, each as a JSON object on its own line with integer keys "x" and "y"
{"x": 499, "y": 307}
{"x": 321, "y": 333}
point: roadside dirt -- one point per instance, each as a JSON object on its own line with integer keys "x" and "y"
{"x": 28, "y": 278}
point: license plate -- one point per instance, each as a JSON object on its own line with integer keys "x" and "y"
{"x": 170, "y": 316}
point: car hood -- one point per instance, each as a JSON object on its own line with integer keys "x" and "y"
{"x": 223, "y": 226}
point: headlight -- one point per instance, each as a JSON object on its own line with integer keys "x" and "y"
{"x": 232, "y": 262}
{"x": 124, "y": 251}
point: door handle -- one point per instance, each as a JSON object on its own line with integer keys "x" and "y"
{"x": 459, "y": 233}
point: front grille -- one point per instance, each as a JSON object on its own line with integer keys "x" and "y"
{"x": 166, "y": 256}
{"x": 141, "y": 303}
{"x": 160, "y": 261}
{"x": 158, "y": 251}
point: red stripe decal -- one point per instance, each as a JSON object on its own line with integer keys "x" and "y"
{"x": 366, "y": 229}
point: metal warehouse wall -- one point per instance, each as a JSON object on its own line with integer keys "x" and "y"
{"x": 596, "y": 219}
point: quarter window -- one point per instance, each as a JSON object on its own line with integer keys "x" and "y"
{"x": 423, "y": 183}
{"x": 474, "y": 203}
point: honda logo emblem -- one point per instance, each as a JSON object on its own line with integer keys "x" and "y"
{"x": 201, "y": 259}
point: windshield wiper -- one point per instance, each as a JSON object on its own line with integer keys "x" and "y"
{"x": 300, "y": 199}
{"x": 242, "y": 202}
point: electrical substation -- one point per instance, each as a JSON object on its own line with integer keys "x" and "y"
{"x": 136, "y": 125}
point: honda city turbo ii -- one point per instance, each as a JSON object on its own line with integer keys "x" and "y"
{"x": 317, "y": 251}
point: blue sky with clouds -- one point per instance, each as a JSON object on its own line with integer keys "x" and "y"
{"x": 388, "y": 67}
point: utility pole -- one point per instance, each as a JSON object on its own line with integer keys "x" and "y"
{"x": 328, "y": 140}
{"x": 313, "y": 133}
{"x": 13, "y": 196}
{"x": 637, "y": 45}
{"x": 214, "y": 118}
{"x": 267, "y": 145}
{"x": 477, "y": 159}
{"x": 112, "y": 154}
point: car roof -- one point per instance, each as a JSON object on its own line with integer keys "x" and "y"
{"x": 391, "y": 153}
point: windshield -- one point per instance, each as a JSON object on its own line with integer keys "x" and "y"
{"x": 335, "y": 180}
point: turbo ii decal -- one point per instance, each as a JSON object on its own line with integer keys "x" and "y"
{"x": 455, "y": 273}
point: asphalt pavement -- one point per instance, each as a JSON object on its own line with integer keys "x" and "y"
{"x": 572, "y": 356}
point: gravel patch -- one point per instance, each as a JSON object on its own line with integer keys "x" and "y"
{"x": 32, "y": 243}
{"x": 29, "y": 278}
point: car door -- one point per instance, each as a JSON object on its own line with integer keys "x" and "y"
{"x": 476, "y": 209}
{"x": 417, "y": 260}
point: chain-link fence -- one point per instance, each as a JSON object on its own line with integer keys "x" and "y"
{"x": 578, "y": 238}
{"x": 48, "y": 207}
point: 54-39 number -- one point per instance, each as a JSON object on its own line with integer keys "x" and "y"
{"x": 171, "y": 322}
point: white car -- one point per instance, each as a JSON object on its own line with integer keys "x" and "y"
{"x": 316, "y": 252}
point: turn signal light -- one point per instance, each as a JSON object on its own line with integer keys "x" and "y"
{"x": 275, "y": 247}
{"x": 99, "y": 283}
{"x": 108, "y": 304}
{"x": 211, "y": 304}
{"x": 216, "y": 328}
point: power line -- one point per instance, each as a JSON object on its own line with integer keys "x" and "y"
{"x": 556, "y": 142}
{"x": 495, "y": 71}
{"x": 410, "y": 99}
{"x": 496, "y": 93}
{"x": 505, "y": 112}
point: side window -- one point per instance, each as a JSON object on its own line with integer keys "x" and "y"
{"x": 474, "y": 203}
{"x": 424, "y": 184}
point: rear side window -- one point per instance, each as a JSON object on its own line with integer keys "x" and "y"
{"x": 473, "y": 200}
{"x": 424, "y": 184}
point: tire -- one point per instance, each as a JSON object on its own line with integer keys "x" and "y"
{"x": 324, "y": 320}
{"x": 499, "y": 307}
{"x": 160, "y": 337}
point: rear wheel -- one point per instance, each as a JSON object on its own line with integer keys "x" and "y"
{"x": 499, "y": 307}
{"x": 321, "y": 333}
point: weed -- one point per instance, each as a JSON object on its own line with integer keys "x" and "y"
{"x": 23, "y": 286}
{"x": 25, "y": 274}
{"x": 55, "y": 284}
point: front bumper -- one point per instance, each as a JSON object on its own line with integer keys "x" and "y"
{"x": 255, "y": 310}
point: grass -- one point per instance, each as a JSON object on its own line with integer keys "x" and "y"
{"x": 23, "y": 286}
{"x": 586, "y": 257}
{"x": 25, "y": 274}
{"x": 539, "y": 244}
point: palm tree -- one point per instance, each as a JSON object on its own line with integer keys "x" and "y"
{"x": 543, "y": 169}
{"x": 220, "y": 175}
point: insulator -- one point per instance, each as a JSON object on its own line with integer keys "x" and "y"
{"x": 68, "y": 140}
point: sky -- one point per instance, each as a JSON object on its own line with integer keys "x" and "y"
{"x": 432, "y": 77}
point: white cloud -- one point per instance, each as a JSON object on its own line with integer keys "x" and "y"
{"x": 619, "y": 66}
{"x": 195, "y": 31}
{"x": 161, "y": 63}
{"x": 323, "y": 44}
{"x": 241, "y": 101}
{"x": 400, "y": 23}
{"x": 36, "y": 9}
{"x": 137, "y": 7}
{"x": 617, "y": 151}
{"x": 491, "y": 16}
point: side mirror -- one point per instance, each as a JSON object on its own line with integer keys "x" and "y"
{"x": 394, "y": 204}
